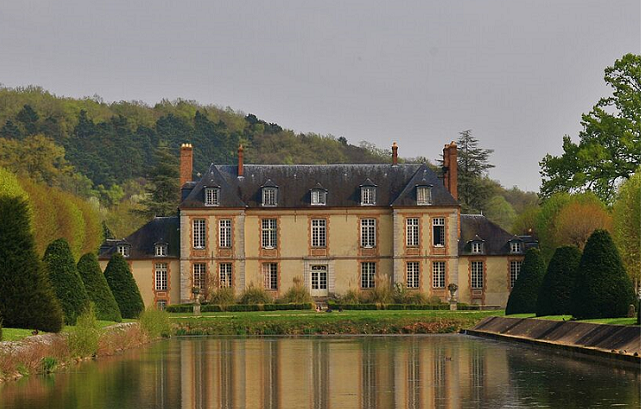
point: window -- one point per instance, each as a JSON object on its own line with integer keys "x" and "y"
{"x": 516, "y": 247}
{"x": 319, "y": 232}
{"x": 413, "y": 273}
{"x": 423, "y": 195}
{"x": 368, "y": 196}
{"x": 199, "y": 233}
{"x": 224, "y": 233}
{"x": 515, "y": 269}
{"x": 269, "y": 233}
{"x": 477, "y": 275}
{"x": 224, "y": 271}
{"x": 411, "y": 227}
{"x": 200, "y": 274}
{"x": 438, "y": 231}
{"x": 161, "y": 250}
{"x": 270, "y": 275}
{"x": 161, "y": 305}
{"x": 319, "y": 277}
{"x": 319, "y": 197}
{"x": 438, "y": 274}
{"x": 477, "y": 247}
{"x": 270, "y": 196}
{"x": 161, "y": 276}
{"x": 123, "y": 249}
{"x": 368, "y": 233}
{"x": 212, "y": 196}
{"x": 368, "y": 273}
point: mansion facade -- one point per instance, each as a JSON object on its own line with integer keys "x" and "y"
{"x": 336, "y": 227}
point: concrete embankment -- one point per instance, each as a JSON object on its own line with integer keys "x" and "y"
{"x": 611, "y": 341}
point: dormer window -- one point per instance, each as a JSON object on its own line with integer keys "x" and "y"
{"x": 212, "y": 196}
{"x": 477, "y": 247}
{"x": 368, "y": 193}
{"x": 123, "y": 249}
{"x": 318, "y": 195}
{"x": 516, "y": 247}
{"x": 161, "y": 250}
{"x": 270, "y": 196}
{"x": 423, "y": 195}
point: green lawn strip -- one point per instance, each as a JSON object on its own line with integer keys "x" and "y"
{"x": 15, "y": 334}
{"x": 610, "y": 321}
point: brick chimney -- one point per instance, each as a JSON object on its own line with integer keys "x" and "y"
{"x": 450, "y": 168}
{"x": 186, "y": 163}
{"x": 240, "y": 161}
{"x": 394, "y": 154}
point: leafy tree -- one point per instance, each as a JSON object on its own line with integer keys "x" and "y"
{"x": 163, "y": 195}
{"x": 525, "y": 223}
{"x": 124, "y": 287}
{"x": 610, "y": 142}
{"x": 577, "y": 220}
{"x": 29, "y": 119}
{"x": 10, "y": 131}
{"x": 603, "y": 289}
{"x": 500, "y": 212}
{"x": 525, "y": 293}
{"x": 473, "y": 164}
{"x": 627, "y": 226}
{"x": 27, "y": 299}
{"x": 66, "y": 281}
{"x": 558, "y": 282}
{"x": 100, "y": 294}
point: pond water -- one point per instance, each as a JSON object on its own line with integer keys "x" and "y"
{"x": 452, "y": 371}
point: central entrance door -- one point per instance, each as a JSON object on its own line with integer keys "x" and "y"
{"x": 319, "y": 281}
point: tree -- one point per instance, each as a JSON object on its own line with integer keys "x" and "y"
{"x": 27, "y": 299}
{"x": 500, "y": 212}
{"x": 65, "y": 280}
{"x": 473, "y": 164}
{"x": 98, "y": 290}
{"x": 558, "y": 282}
{"x": 123, "y": 286}
{"x": 627, "y": 226}
{"x": 603, "y": 288}
{"x": 10, "y": 131}
{"x": 525, "y": 293}
{"x": 29, "y": 119}
{"x": 163, "y": 195}
{"x": 576, "y": 221}
{"x": 609, "y": 144}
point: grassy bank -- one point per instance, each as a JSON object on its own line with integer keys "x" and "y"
{"x": 609, "y": 321}
{"x": 313, "y": 323}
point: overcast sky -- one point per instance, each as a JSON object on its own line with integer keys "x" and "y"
{"x": 518, "y": 73}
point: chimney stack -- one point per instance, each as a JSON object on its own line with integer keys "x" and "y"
{"x": 240, "y": 161}
{"x": 450, "y": 167}
{"x": 394, "y": 154}
{"x": 186, "y": 163}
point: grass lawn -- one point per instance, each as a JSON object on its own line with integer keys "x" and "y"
{"x": 16, "y": 334}
{"x": 610, "y": 321}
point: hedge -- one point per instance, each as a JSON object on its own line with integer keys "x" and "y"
{"x": 124, "y": 287}
{"x": 188, "y": 308}
{"x": 526, "y": 289}
{"x": 558, "y": 282}
{"x": 98, "y": 290}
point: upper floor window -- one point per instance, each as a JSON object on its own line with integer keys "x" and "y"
{"x": 477, "y": 247}
{"x": 368, "y": 195}
{"x": 412, "y": 232}
{"x": 212, "y": 196}
{"x": 123, "y": 249}
{"x": 438, "y": 231}
{"x": 199, "y": 233}
{"x": 270, "y": 196}
{"x": 516, "y": 247}
{"x": 224, "y": 233}
{"x": 368, "y": 233}
{"x": 161, "y": 276}
{"x": 319, "y": 197}
{"x": 319, "y": 233}
{"x": 423, "y": 195}
{"x": 269, "y": 236}
{"x": 161, "y": 250}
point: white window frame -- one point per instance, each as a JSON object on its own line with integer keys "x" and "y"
{"x": 477, "y": 275}
{"x": 412, "y": 274}
{"x": 212, "y": 196}
{"x": 270, "y": 276}
{"x": 368, "y": 196}
{"x": 412, "y": 232}
{"x": 199, "y": 233}
{"x": 438, "y": 226}
{"x": 319, "y": 197}
{"x": 269, "y": 233}
{"x": 225, "y": 275}
{"x": 199, "y": 275}
{"x": 161, "y": 250}
{"x": 477, "y": 247}
{"x": 319, "y": 233}
{"x": 515, "y": 270}
{"x": 368, "y": 274}
{"x": 516, "y": 247}
{"x": 438, "y": 274}
{"x": 423, "y": 195}
{"x": 160, "y": 276}
{"x": 270, "y": 196}
{"x": 368, "y": 233}
{"x": 124, "y": 250}
{"x": 224, "y": 233}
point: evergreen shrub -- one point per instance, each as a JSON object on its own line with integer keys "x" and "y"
{"x": 558, "y": 282}
{"x": 603, "y": 289}
{"x": 123, "y": 287}
{"x": 526, "y": 289}
{"x": 97, "y": 288}
{"x": 65, "y": 279}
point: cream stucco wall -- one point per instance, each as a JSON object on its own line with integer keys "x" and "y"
{"x": 496, "y": 289}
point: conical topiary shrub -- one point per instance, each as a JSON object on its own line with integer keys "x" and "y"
{"x": 98, "y": 290}
{"x": 26, "y": 297}
{"x": 603, "y": 289}
{"x": 558, "y": 282}
{"x": 65, "y": 280}
{"x": 526, "y": 289}
{"x": 123, "y": 286}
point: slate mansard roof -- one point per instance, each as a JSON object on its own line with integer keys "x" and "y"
{"x": 496, "y": 241}
{"x": 395, "y": 185}
{"x": 143, "y": 241}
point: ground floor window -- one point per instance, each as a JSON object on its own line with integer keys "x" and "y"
{"x": 368, "y": 274}
{"x": 515, "y": 269}
{"x": 225, "y": 275}
{"x": 477, "y": 275}
{"x": 270, "y": 275}
{"x": 413, "y": 272}
{"x": 200, "y": 274}
{"x": 161, "y": 276}
{"x": 438, "y": 274}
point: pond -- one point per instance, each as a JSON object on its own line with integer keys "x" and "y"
{"x": 453, "y": 371}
